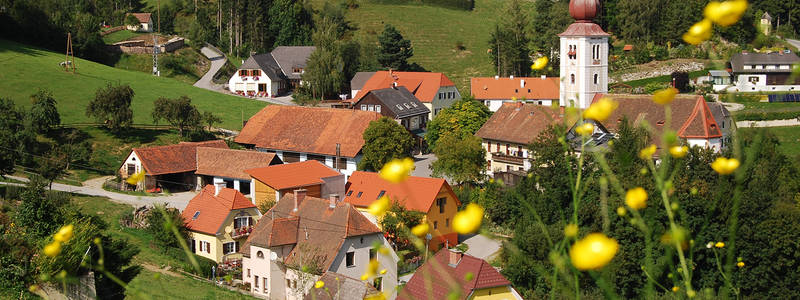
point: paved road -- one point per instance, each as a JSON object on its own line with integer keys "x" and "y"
{"x": 769, "y": 123}
{"x": 422, "y": 165}
{"x": 794, "y": 43}
{"x": 733, "y": 106}
{"x": 93, "y": 187}
{"x": 217, "y": 61}
{"x": 482, "y": 246}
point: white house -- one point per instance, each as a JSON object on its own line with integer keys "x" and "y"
{"x": 145, "y": 22}
{"x": 493, "y": 92}
{"x": 302, "y": 237}
{"x": 358, "y": 82}
{"x": 763, "y": 72}
{"x": 271, "y": 74}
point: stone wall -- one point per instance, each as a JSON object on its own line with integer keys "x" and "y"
{"x": 139, "y": 47}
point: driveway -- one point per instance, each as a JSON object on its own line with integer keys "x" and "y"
{"x": 482, "y": 246}
{"x": 422, "y": 165}
{"x": 217, "y": 61}
{"x": 93, "y": 187}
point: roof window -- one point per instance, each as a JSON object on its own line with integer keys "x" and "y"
{"x": 359, "y": 194}
{"x": 349, "y": 193}
{"x": 407, "y": 106}
{"x": 399, "y": 107}
{"x": 196, "y": 214}
{"x": 381, "y": 194}
{"x": 413, "y": 104}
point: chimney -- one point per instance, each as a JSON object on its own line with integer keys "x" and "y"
{"x": 496, "y": 77}
{"x": 394, "y": 85}
{"x": 218, "y": 186}
{"x": 334, "y": 198}
{"x": 521, "y": 83}
{"x": 512, "y": 76}
{"x": 544, "y": 77}
{"x": 454, "y": 257}
{"x": 299, "y": 195}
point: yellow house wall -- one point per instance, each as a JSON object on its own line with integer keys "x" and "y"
{"x": 216, "y": 247}
{"x": 497, "y": 166}
{"x": 263, "y": 193}
{"x": 444, "y": 220}
{"x": 495, "y": 293}
{"x": 217, "y": 241}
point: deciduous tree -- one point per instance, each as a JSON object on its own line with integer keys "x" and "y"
{"x": 11, "y": 124}
{"x": 112, "y": 107}
{"x": 460, "y": 159}
{"x": 43, "y": 114}
{"x": 461, "y": 119}
{"x": 384, "y": 140}
{"x": 178, "y": 112}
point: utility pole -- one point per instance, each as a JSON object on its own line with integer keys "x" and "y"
{"x": 69, "y": 61}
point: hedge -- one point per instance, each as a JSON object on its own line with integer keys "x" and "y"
{"x": 454, "y": 4}
{"x": 763, "y": 116}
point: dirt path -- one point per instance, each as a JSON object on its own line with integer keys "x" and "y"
{"x": 153, "y": 268}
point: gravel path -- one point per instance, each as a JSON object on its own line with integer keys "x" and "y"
{"x": 768, "y": 123}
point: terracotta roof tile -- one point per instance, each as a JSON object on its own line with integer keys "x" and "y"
{"x": 583, "y": 29}
{"x": 308, "y": 129}
{"x": 424, "y": 85}
{"x": 293, "y": 175}
{"x": 518, "y": 122}
{"x": 445, "y": 277}
{"x": 205, "y": 213}
{"x": 416, "y": 193}
{"x": 142, "y": 17}
{"x": 320, "y": 230}
{"x": 232, "y": 163}
{"x": 529, "y": 88}
{"x": 173, "y": 158}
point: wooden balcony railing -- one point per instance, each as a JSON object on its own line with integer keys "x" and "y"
{"x": 505, "y": 158}
{"x": 241, "y": 232}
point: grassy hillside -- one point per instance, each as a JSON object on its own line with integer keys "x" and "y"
{"x": 27, "y": 69}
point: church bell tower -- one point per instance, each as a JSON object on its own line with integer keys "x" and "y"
{"x": 583, "y": 55}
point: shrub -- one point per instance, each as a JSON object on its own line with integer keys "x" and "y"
{"x": 762, "y": 116}
{"x": 161, "y": 222}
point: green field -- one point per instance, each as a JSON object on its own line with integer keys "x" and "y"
{"x": 789, "y": 138}
{"x": 186, "y": 65}
{"x": 119, "y": 36}
{"x": 27, "y": 69}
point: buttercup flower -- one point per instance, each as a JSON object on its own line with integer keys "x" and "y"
{"x": 319, "y": 284}
{"x": 725, "y": 166}
{"x": 698, "y": 33}
{"x": 665, "y": 96}
{"x": 621, "y": 211}
{"x": 593, "y": 251}
{"x": 740, "y": 264}
{"x": 709, "y": 245}
{"x": 586, "y": 129}
{"x": 678, "y": 151}
{"x": 378, "y": 296}
{"x": 600, "y": 110}
{"x": 383, "y": 271}
{"x": 675, "y": 289}
{"x": 64, "y": 234}
{"x": 719, "y": 245}
{"x": 468, "y": 220}
{"x": 397, "y": 170}
{"x": 648, "y": 152}
{"x": 636, "y": 198}
{"x": 379, "y": 207}
{"x": 52, "y": 249}
{"x": 421, "y": 229}
{"x": 372, "y": 268}
{"x": 540, "y": 63}
{"x": 571, "y": 230}
{"x": 725, "y": 13}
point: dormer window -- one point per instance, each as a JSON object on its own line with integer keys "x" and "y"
{"x": 399, "y": 107}
{"x": 196, "y": 214}
{"x": 242, "y": 73}
{"x": 297, "y": 70}
{"x": 359, "y": 194}
{"x": 381, "y": 194}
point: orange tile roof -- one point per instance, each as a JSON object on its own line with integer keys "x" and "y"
{"x": 308, "y": 129}
{"x": 142, "y": 17}
{"x": 437, "y": 277}
{"x": 293, "y": 175}
{"x": 424, "y": 85}
{"x": 212, "y": 210}
{"x": 518, "y": 122}
{"x": 529, "y": 88}
{"x": 170, "y": 159}
{"x": 416, "y": 193}
{"x": 232, "y": 163}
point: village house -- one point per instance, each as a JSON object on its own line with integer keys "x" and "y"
{"x": 399, "y": 104}
{"x": 273, "y": 182}
{"x": 145, "y": 22}
{"x": 435, "y": 279}
{"x": 431, "y": 196}
{"x": 494, "y": 91}
{"x": 762, "y": 72}
{"x": 218, "y": 219}
{"x": 296, "y": 133}
{"x": 271, "y": 74}
{"x": 303, "y": 237}
{"x": 170, "y": 167}
{"x": 358, "y": 81}
{"x": 215, "y": 165}
{"x": 507, "y": 133}
{"x": 434, "y": 90}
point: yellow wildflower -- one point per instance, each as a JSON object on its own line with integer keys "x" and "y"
{"x": 621, "y": 211}
{"x": 586, "y": 129}
{"x": 648, "y": 152}
{"x": 540, "y": 63}
{"x": 698, "y": 33}
{"x": 513, "y": 98}
{"x": 571, "y": 230}
{"x": 691, "y": 293}
{"x": 364, "y": 277}
{"x": 468, "y": 220}
{"x": 719, "y": 245}
{"x": 64, "y": 234}
{"x": 725, "y": 13}
{"x": 740, "y": 264}
{"x": 678, "y": 151}
{"x": 383, "y": 271}
{"x": 383, "y": 250}
{"x": 397, "y": 170}
{"x": 600, "y": 110}
{"x": 593, "y": 251}
{"x": 136, "y": 178}
{"x": 52, "y": 249}
{"x": 665, "y": 96}
{"x": 372, "y": 268}
{"x": 725, "y": 166}
{"x": 378, "y": 296}
{"x": 675, "y": 289}
{"x": 636, "y": 198}
{"x": 379, "y": 207}
{"x": 421, "y": 229}
{"x": 319, "y": 284}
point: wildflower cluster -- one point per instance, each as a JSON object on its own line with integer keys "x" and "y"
{"x": 724, "y": 14}
{"x": 61, "y": 237}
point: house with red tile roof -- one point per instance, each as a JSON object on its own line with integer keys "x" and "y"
{"x": 170, "y": 167}
{"x": 273, "y": 182}
{"x": 434, "y": 90}
{"x": 302, "y": 237}
{"x": 296, "y": 133}
{"x": 431, "y": 196}
{"x": 218, "y": 165}
{"x": 145, "y": 22}
{"x": 447, "y": 271}
{"x": 218, "y": 220}
{"x": 494, "y": 91}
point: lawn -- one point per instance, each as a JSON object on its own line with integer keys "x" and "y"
{"x": 186, "y": 64}
{"x": 788, "y": 136}
{"x": 161, "y": 286}
{"x": 29, "y": 69}
{"x": 663, "y": 79}
{"x": 119, "y": 36}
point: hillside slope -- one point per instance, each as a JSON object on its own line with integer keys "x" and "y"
{"x": 27, "y": 69}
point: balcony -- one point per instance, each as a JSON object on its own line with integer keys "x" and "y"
{"x": 241, "y": 232}
{"x": 509, "y": 159}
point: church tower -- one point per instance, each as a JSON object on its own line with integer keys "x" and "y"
{"x": 583, "y": 55}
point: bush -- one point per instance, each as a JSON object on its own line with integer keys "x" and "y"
{"x": 204, "y": 264}
{"x": 762, "y": 116}
{"x": 161, "y": 221}
{"x": 455, "y": 4}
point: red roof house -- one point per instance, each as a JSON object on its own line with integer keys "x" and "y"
{"x": 167, "y": 166}
{"x": 494, "y": 91}
{"x": 272, "y": 182}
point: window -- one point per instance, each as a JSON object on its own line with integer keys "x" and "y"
{"x": 363, "y": 107}
{"x": 507, "y": 149}
{"x": 362, "y": 240}
{"x": 131, "y": 169}
{"x": 372, "y": 254}
{"x": 242, "y": 73}
{"x": 349, "y": 193}
{"x": 230, "y": 247}
{"x": 244, "y": 187}
{"x": 399, "y": 107}
{"x": 205, "y": 246}
{"x": 572, "y": 78}
{"x": 381, "y": 194}
{"x": 371, "y": 107}
{"x": 377, "y": 283}
{"x": 255, "y": 282}
{"x": 260, "y": 254}
{"x": 378, "y": 108}
{"x": 489, "y": 164}
{"x": 191, "y": 242}
{"x": 256, "y": 72}
{"x": 441, "y": 202}
{"x": 447, "y": 222}
{"x": 248, "y": 273}
{"x": 435, "y": 224}
{"x": 240, "y": 222}
{"x": 752, "y": 79}
{"x": 265, "y": 284}
{"x": 196, "y": 214}
{"x": 359, "y": 194}
{"x": 350, "y": 259}
{"x": 297, "y": 70}
{"x": 596, "y": 77}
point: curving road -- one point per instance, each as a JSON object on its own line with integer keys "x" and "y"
{"x": 217, "y": 61}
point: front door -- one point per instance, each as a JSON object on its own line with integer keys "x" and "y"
{"x": 414, "y": 123}
{"x": 262, "y": 87}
